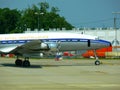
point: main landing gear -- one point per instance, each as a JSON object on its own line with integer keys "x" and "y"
{"x": 25, "y": 63}
{"x": 97, "y": 62}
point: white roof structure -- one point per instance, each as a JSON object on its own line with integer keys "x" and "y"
{"x": 106, "y": 34}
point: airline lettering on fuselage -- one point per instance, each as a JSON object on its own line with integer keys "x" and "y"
{"x": 23, "y": 37}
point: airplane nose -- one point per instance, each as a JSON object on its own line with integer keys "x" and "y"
{"x": 106, "y": 43}
{"x": 110, "y": 44}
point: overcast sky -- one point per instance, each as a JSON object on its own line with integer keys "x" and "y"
{"x": 80, "y": 13}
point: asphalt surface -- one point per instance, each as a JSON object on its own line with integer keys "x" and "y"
{"x": 60, "y": 75}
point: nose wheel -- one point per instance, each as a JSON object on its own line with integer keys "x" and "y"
{"x": 97, "y": 62}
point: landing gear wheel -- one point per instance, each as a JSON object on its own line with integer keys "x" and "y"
{"x": 26, "y": 63}
{"x": 18, "y": 62}
{"x": 97, "y": 62}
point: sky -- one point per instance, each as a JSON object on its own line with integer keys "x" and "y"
{"x": 80, "y": 13}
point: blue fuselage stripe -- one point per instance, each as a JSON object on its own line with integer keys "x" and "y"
{"x": 52, "y": 40}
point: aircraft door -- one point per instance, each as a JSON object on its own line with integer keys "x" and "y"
{"x": 89, "y": 43}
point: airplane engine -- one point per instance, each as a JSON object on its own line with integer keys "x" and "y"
{"x": 44, "y": 46}
{"x": 34, "y": 55}
{"x": 41, "y": 54}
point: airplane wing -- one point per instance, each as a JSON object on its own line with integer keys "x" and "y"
{"x": 29, "y": 47}
{"x": 6, "y": 50}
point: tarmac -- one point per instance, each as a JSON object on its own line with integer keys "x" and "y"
{"x": 68, "y": 74}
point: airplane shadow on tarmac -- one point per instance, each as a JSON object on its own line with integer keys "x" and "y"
{"x": 40, "y": 66}
{"x": 13, "y": 65}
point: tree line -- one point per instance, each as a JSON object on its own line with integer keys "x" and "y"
{"x": 40, "y": 16}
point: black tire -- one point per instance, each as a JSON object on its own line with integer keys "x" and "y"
{"x": 97, "y": 62}
{"x": 18, "y": 62}
{"x": 26, "y": 63}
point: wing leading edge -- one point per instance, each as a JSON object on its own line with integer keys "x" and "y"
{"x": 28, "y": 47}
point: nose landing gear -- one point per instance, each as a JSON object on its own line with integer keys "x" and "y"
{"x": 97, "y": 62}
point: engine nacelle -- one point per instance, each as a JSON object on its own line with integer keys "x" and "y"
{"x": 38, "y": 47}
{"x": 34, "y": 55}
{"x": 41, "y": 54}
{"x": 44, "y": 46}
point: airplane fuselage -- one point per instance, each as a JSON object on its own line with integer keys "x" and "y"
{"x": 63, "y": 41}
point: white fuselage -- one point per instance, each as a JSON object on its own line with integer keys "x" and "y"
{"x": 65, "y": 41}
